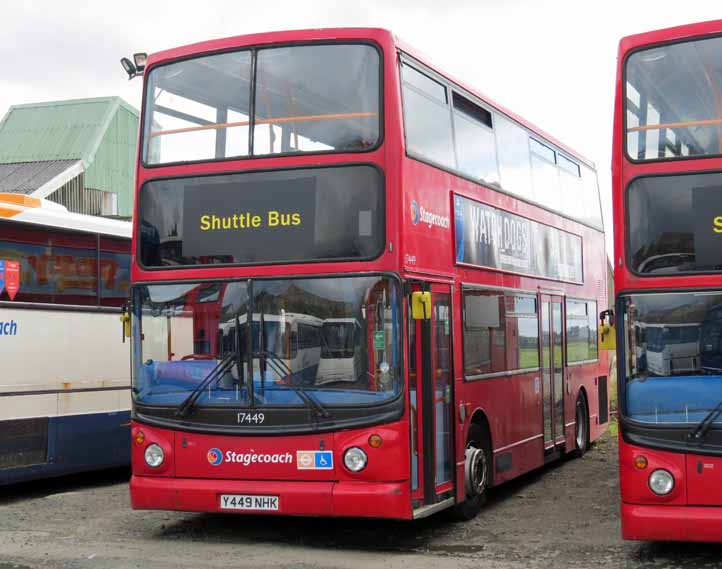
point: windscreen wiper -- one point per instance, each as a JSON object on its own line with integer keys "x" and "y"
{"x": 703, "y": 427}
{"x": 221, "y": 367}
{"x": 281, "y": 368}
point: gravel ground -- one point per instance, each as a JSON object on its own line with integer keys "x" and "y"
{"x": 565, "y": 515}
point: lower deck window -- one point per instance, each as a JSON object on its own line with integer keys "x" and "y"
{"x": 581, "y": 331}
{"x": 501, "y": 332}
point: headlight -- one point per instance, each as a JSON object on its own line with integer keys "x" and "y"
{"x": 154, "y": 456}
{"x": 355, "y": 459}
{"x": 661, "y": 482}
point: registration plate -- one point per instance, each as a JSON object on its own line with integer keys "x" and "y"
{"x": 246, "y": 502}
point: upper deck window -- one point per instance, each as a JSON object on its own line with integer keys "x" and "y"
{"x": 312, "y": 98}
{"x": 462, "y": 134}
{"x": 427, "y": 118}
{"x": 474, "y": 139}
{"x": 674, "y": 101}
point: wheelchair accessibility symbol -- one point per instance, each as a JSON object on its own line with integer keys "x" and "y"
{"x": 314, "y": 460}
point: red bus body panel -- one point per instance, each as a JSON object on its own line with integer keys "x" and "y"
{"x": 692, "y": 511}
{"x": 190, "y": 480}
{"x": 688, "y": 513}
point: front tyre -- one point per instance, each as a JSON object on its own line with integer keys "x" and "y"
{"x": 581, "y": 427}
{"x": 477, "y": 473}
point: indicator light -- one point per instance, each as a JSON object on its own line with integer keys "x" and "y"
{"x": 640, "y": 462}
{"x": 375, "y": 441}
{"x": 139, "y": 437}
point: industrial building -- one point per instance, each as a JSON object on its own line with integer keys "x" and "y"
{"x": 79, "y": 153}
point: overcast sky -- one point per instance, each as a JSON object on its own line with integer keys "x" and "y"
{"x": 551, "y": 61}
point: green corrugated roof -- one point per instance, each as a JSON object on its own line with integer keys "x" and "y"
{"x": 57, "y": 130}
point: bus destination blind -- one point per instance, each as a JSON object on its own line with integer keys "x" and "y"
{"x": 263, "y": 220}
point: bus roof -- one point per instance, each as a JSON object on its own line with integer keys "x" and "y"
{"x": 331, "y": 34}
{"x": 36, "y": 211}
{"x": 629, "y": 43}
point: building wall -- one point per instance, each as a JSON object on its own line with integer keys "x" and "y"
{"x": 113, "y": 167}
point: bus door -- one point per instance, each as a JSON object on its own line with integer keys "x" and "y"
{"x": 431, "y": 394}
{"x": 552, "y": 361}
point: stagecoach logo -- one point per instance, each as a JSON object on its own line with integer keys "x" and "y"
{"x": 414, "y": 212}
{"x": 215, "y": 456}
{"x": 418, "y": 213}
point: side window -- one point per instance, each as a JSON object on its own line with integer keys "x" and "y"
{"x": 114, "y": 271}
{"x": 523, "y": 332}
{"x": 49, "y": 266}
{"x": 474, "y": 138}
{"x": 427, "y": 118}
{"x": 572, "y": 189}
{"x": 500, "y": 332}
{"x": 592, "y": 207}
{"x": 581, "y": 330}
{"x": 512, "y": 144}
{"x": 593, "y": 337}
{"x": 484, "y": 325}
{"x": 308, "y": 337}
{"x": 545, "y": 175}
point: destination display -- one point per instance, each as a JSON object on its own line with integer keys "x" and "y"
{"x": 311, "y": 214}
{"x": 707, "y": 210}
{"x": 266, "y": 220}
{"x": 489, "y": 237}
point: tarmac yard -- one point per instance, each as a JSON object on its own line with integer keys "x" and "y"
{"x": 565, "y": 515}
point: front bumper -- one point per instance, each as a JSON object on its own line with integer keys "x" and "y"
{"x": 344, "y": 499}
{"x": 671, "y": 523}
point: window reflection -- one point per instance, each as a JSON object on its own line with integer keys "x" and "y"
{"x": 672, "y": 224}
{"x": 427, "y": 119}
{"x": 57, "y": 266}
{"x": 672, "y": 355}
{"x": 500, "y": 332}
{"x": 336, "y": 336}
{"x": 673, "y": 100}
{"x": 582, "y": 343}
{"x": 307, "y": 99}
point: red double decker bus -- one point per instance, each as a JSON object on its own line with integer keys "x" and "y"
{"x": 667, "y": 158}
{"x": 360, "y": 288}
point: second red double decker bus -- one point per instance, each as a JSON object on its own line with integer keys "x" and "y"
{"x": 360, "y": 288}
{"x": 668, "y": 261}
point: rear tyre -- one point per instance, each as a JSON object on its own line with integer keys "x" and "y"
{"x": 477, "y": 473}
{"x": 581, "y": 427}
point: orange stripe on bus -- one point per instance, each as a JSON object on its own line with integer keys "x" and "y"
{"x": 19, "y": 199}
{"x": 9, "y": 211}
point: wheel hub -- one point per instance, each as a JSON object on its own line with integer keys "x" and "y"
{"x": 475, "y": 466}
{"x": 581, "y": 435}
